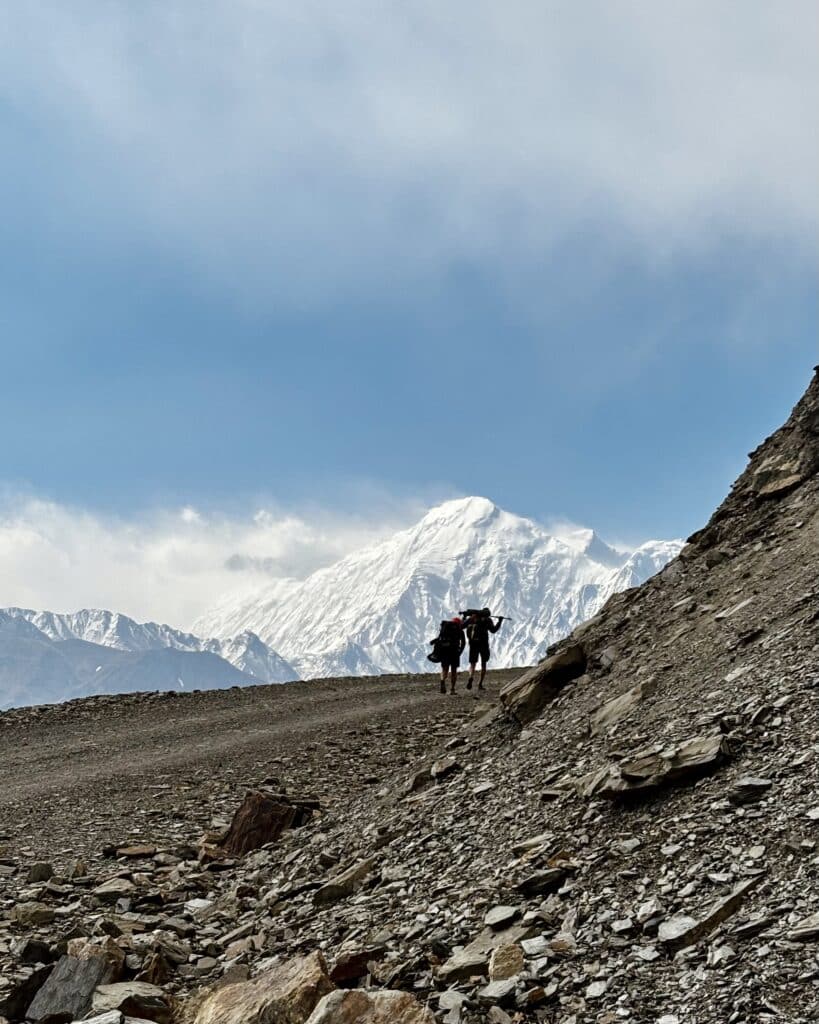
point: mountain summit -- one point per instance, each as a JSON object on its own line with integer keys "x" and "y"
{"x": 376, "y": 609}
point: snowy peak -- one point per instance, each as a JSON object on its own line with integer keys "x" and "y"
{"x": 375, "y": 610}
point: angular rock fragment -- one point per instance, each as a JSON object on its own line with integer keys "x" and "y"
{"x": 806, "y": 931}
{"x": 506, "y": 961}
{"x": 260, "y": 819}
{"x": 134, "y": 999}
{"x": 32, "y": 913}
{"x": 525, "y": 697}
{"x": 748, "y": 789}
{"x": 354, "y": 964}
{"x": 474, "y": 958}
{"x": 345, "y": 884}
{"x": 113, "y": 890}
{"x": 285, "y": 994}
{"x": 682, "y": 931}
{"x": 501, "y": 917}
{"x": 542, "y": 882}
{"x": 443, "y": 768}
{"x": 68, "y": 992}
{"x": 618, "y": 708}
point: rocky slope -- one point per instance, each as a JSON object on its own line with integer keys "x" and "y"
{"x": 629, "y": 834}
{"x": 375, "y": 610}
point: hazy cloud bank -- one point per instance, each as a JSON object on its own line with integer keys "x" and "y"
{"x": 167, "y": 566}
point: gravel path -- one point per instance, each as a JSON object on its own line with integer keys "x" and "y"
{"x": 75, "y": 776}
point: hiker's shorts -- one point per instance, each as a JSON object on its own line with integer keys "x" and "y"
{"x": 478, "y": 652}
{"x": 450, "y": 658}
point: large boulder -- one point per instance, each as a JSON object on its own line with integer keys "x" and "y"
{"x": 525, "y": 697}
{"x": 285, "y": 994}
{"x": 357, "y": 1006}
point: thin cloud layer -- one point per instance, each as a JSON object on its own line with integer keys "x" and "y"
{"x": 167, "y": 567}
{"x": 300, "y": 151}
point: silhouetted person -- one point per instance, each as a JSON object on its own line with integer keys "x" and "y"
{"x": 479, "y": 625}
{"x": 449, "y": 646}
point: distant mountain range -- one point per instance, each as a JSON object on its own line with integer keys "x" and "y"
{"x": 372, "y": 612}
{"x": 46, "y": 657}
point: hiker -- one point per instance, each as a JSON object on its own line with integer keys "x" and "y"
{"x": 447, "y": 648}
{"x": 479, "y": 625}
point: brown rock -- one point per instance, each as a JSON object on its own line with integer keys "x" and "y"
{"x": 354, "y": 964}
{"x": 260, "y": 819}
{"x": 506, "y": 962}
{"x": 285, "y": 994}
{"x": 357, "y": 1006}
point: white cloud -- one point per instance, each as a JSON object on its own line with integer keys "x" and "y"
{"x": 299, "y": 150}
{"x": 168, "y": 566}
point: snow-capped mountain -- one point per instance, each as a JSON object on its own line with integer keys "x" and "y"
{"x": 244, "y": 651}
{"x": 376, "y": 610}
{"x": 37, "y": 669}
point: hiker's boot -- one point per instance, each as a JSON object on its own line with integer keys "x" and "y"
{"x": 469, "y": 683}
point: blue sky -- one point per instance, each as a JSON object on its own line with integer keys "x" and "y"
{"x": 342, "y": 263}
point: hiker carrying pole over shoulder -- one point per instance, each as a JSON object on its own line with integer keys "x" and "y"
{"x": 479, "y": 625}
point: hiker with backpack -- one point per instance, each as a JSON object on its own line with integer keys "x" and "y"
{"x": 447, "y": 648}
{"x": 479, "y": 624}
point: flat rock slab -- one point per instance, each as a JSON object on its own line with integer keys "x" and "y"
{"x": 806, "y": 931}
{"x": 653, "y": 769}
{"x": 618, "y": 708}
{"x": 501, "y": 917}
{"x": 345, "y": 884}
{"x": 474, "y": 958}
{"x": 682, "y": 931}
{"x": 134, "y": 999}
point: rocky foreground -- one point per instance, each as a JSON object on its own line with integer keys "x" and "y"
{"x": 629, "y": 833}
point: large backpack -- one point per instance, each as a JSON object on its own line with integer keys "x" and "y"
{"x": 447, "y": 638}
{"x": 449, "y": 633}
